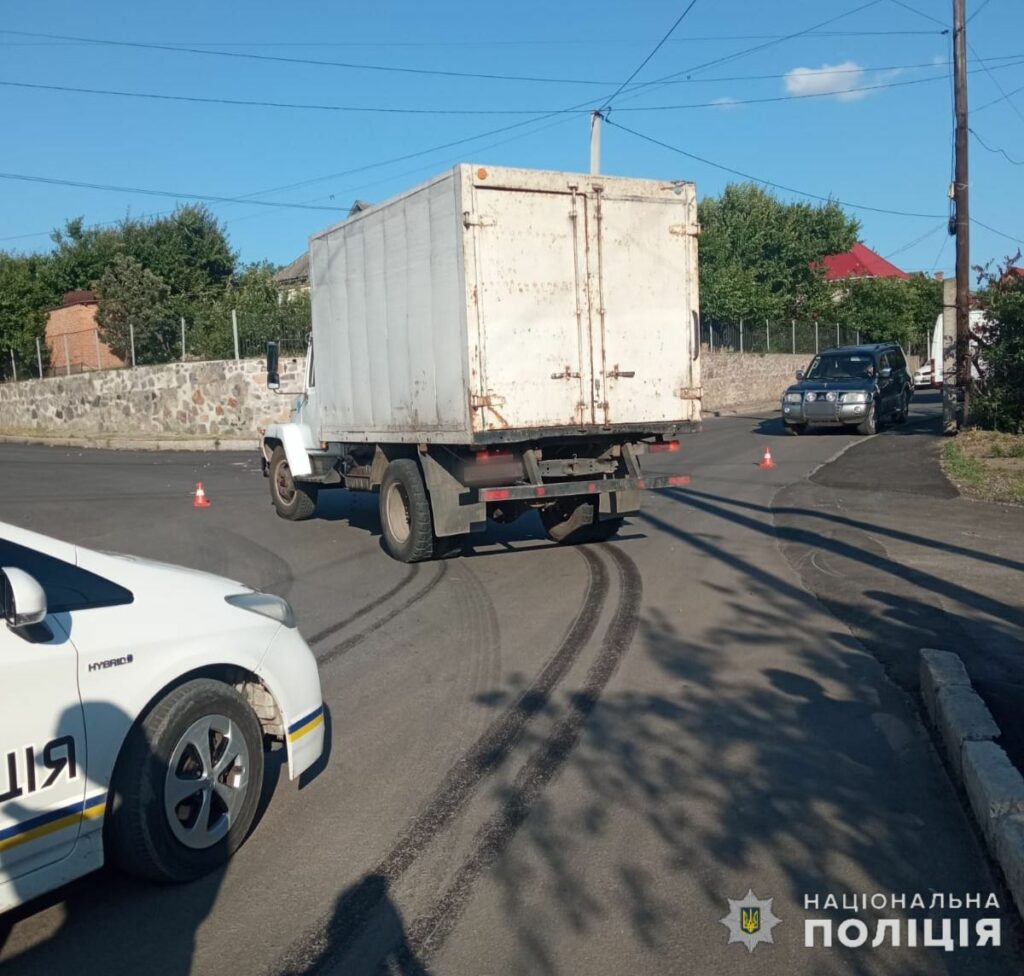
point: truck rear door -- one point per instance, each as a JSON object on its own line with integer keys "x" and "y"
{"x": 533, "y": 355}
{"x": 643, "y": 256}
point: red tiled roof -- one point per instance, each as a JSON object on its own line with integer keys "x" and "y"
{"x": 1019, "y": 272}
{"x": 859, "y": 262}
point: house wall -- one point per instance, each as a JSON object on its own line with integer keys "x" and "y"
{"x": 78, "y": 323}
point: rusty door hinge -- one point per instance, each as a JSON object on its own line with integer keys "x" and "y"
{"x": 685, "y": 230}
{"x": 620, "y": 374}
{"x": 690, "y": 393}
{"x": 477, "y": 220}
{"x": 491, "y": 400}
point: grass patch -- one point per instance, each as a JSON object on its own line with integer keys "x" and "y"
{"x": 988, "y": 465}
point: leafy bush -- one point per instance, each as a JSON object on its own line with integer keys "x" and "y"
{"x": 998, "y": 402}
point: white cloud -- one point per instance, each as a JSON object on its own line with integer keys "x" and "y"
{"x": 725, "y": 104}
{"x": 837, "y": 79}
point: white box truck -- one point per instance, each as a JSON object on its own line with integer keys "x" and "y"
{"x": 493, "y": 341}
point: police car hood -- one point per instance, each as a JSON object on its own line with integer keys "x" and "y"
{"x": 109, "y": 562}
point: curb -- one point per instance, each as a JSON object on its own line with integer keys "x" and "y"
{"x": 118, "y": 442}
{"x": 994, "y": 786}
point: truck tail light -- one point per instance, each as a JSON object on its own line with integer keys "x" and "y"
{"x": 662, "y": 446}
{"x": 494, "y": 494}
{"x": 679, "y": 479}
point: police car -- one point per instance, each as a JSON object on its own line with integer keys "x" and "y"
{"x": 136, "y": 701}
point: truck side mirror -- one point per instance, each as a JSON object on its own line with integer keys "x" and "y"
{"x": 273, "y": 377}
{"x": 23, "y": 599}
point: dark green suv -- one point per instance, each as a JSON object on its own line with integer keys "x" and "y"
{"x": 852, "y": 386}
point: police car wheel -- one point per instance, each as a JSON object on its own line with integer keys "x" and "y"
{"x": 187, "y": 784}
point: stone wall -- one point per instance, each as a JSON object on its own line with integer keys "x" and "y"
{"x": 731, "y": 379}
{"x": 209, "y": 400}
{"x": 225, "y": 402}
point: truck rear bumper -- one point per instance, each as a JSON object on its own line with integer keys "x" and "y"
{"x": 595, "y": 487}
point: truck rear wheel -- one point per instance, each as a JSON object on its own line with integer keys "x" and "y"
{"x": 405, "y": 517}
{"x": 292, "y": 500}
{"x": 571, "y": 521}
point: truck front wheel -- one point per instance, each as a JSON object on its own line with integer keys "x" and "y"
{"x": 292, "y": 500}
{"x": 405, "y": 517}
{"x": 571, "y": 521}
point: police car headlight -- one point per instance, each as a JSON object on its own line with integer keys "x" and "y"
{"x": 266, "y": 605}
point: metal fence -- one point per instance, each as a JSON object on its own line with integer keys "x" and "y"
{"x": 764, "y": 336}
{"x": 87, "y": 351}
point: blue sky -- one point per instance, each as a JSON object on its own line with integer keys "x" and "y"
{"x": 886, "y": 147}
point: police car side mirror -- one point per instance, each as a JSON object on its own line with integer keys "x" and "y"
{"x": 24, "y": 600}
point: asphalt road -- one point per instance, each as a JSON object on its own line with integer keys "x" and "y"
{"x": 543, "y": 760}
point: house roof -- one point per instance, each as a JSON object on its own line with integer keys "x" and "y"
{"x": 859, "y": 262}
{"x": 298, "y": 270}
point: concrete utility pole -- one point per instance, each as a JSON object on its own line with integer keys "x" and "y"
{"x": 963, "y": 225}
{"x": 595, "y": 143}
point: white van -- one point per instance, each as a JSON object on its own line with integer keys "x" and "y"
{"x": 930, "y": 373}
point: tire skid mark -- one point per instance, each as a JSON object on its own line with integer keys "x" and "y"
{"x": 428, "y": 932}
{"x": 349, "y": 642}
{"x": 317, "y": 950}
{"x": 410, "y": 575}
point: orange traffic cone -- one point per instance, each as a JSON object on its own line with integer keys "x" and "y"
{"x": 766, "y": 461}
{"x": 200, "y": 500}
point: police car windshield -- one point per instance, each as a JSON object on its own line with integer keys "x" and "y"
{"x": 841, "y": 366}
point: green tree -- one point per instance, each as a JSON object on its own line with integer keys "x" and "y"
{"x": 891, "y": 308}
{"x": 189, "y": 250}
{"x": 80, "y": 256}
{"x": 760, "y": 257}
{"x": 999, "y": 395}
{"x": 263, "y": 314}
{"x": 132, "y": 299}
{"x": 24, "y": 299}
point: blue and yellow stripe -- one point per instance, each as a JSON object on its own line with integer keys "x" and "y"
{"x": 306, "y": 724}
{"x": 91, "y": 808}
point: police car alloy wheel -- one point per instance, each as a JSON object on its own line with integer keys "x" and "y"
{"x": 188, "y": 784}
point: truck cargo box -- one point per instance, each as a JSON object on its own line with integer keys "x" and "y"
{"x": 494, "y": 305}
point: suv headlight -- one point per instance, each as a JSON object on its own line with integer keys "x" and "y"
{"x": 793, "y": 397}
{"x": 265, "y": 604}
{"x": 811, "y": 396}
{"x": 858, "y": 397}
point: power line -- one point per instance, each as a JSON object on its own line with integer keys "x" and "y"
{"x": 1001, "y": 98}
{"x": 791, "y": 98}
{"x": 778, "y": 186}
{"x": 357, "y": 66}
{"x": 736, "y": 55}
{"x": 249, "y": 198}
{"x": 536, "y": 42}
{"x": 920, "y": 13}
{"x": 916, "y": 240}
{"x": 397, "y": 110}
{"x": 995, "y": 82}
{"x": 980, "y": 8}
{"x": 210, "y": 198}
{"x": 657, "y": 47}
{"x": 991, "y": 149}
{"x": 998, "y": 233}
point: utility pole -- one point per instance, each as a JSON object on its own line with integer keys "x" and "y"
{"x": 595, "y": 143}
{"x": 962, "y": 213}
